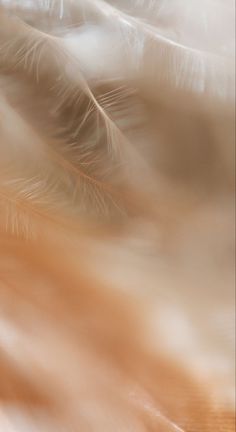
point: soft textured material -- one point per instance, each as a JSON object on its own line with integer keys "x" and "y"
{"x": 117, "y": 133}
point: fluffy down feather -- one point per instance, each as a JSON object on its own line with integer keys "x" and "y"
{"x": 117, "y": 215}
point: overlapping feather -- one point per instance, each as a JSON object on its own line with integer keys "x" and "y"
{"x": 144, "y": 50}
{"x": 97, "y": 99}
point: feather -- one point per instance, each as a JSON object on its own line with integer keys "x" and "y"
{"x": 71, "y": 88}
{"x": 39, "y": 49}
{"x": 182, "y": 60}
{"x": 168, "y": 61}
{"x": 53, "y": 183}
{"x": 116, "y": 215}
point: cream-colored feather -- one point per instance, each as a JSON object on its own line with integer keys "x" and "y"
{"x": 117, "y": 215}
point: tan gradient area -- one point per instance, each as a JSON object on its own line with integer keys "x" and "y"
{"x": 76, "y": 351}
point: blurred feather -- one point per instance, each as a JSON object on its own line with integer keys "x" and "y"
{"x": 117, "y": 215}
{"x": 174, "y": 61}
